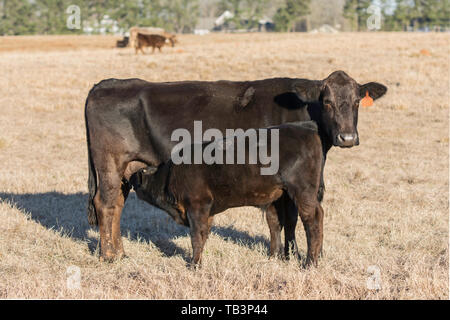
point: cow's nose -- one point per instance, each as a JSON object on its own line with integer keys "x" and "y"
{"x": 346, "y": 139}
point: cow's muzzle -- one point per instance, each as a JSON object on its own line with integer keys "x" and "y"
{"x": 346, "y": 140}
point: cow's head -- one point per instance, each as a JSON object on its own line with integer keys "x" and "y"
{"x": 338, "y": 97}
{"x": 172, "y": 39}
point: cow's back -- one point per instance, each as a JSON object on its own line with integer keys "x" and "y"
{"x": 150, "y": 40}
{"x": 149, "y": 112}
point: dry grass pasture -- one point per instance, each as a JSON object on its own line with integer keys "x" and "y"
{"x": 386, "y": 204}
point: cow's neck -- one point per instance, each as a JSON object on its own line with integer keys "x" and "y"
{"x": 315, "y": 113}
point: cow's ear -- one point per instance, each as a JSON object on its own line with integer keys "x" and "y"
{"x": 289, "y": 100}
{"x": 375, "y": 89}
{"x": 303, "y": 92}
{"x": 308, "y": 90}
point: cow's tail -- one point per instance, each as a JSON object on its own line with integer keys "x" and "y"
{"x": 92, "y": 178}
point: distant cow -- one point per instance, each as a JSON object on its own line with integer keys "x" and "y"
{"x": 144, "y": 30}
{"x": 151, "y": 40}
{"x": 193, "y": 193}
{"x": 122, "y": 43}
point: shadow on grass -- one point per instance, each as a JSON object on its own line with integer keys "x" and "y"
{"x": 140, "y": 221}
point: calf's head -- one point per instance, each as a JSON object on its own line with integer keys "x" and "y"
{"x": 338, "y": 98}
{"x": 143, "y": 183}
{"x": 150, "y": 185}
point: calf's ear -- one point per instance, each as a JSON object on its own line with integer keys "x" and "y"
{"x": 375, "y": 89}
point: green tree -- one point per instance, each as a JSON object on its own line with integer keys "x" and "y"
{"x": 135, "y": 12}
{"x": 418, "y": 14}
{"x": 17, "y": 17}
{"x": 181, "y": 15}
{"x": 356, "y": 12}
{"x": 246, "y": 13}
{"x": 431, "y": 13}
{"x": 290, "y": 13}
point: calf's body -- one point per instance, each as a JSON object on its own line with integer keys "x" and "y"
{"x": 193, "y": 193}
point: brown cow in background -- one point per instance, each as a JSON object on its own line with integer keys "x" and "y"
{"x": 148, "y": 30}
{"x": 152, "y": 40}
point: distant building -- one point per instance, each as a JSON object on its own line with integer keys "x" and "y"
{"x": 204, "y": 25}
{"x": 224, "y": 23}
{"x": 266, "y": 25}
{"x": 106, "y": 26}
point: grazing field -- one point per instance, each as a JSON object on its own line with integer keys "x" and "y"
{"x": 386, "y": 204}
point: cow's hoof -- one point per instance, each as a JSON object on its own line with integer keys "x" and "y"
{"x": 309, "y": 263}
{"x": 294, "y": 255}
{"x": 121, "y": 255}
{"x": 194, "y": 266}
{"x": 108, "y": 257}
{"x": 276, "y": 256}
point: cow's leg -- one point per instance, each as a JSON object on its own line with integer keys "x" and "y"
{"x": 116, "y": 236}
{"x": 319, "y": 217}
{"x": 199, "y": 223}
{"x": 275, "y": 231}
{"x": 311, "y": 214}
{"x": 108, "y": 202}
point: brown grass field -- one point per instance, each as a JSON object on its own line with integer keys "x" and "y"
{"x": 386, "y": 204}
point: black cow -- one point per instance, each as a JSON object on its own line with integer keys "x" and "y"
{"x": 193, "y": 193}
{"x": 129, "y": 125}
{"x": 122, "y": 43}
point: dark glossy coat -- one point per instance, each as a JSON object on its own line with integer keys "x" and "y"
{"x": 193, "y": 193}
{"x": 129, "y": 125}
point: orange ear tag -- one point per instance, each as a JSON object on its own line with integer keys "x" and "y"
{"x": 367, "y": 101}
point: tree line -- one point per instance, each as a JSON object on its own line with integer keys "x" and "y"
{"x": 21, "y": 17}
{"x": 18, "y": 17}
{"x": 399, "y": 15}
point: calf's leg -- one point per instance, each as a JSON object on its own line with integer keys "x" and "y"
{"x": 288, "y": 216}
{"x": 291, "y": 218}
{"x": 275, "y": 231}
{"x": 311, "y": 214}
